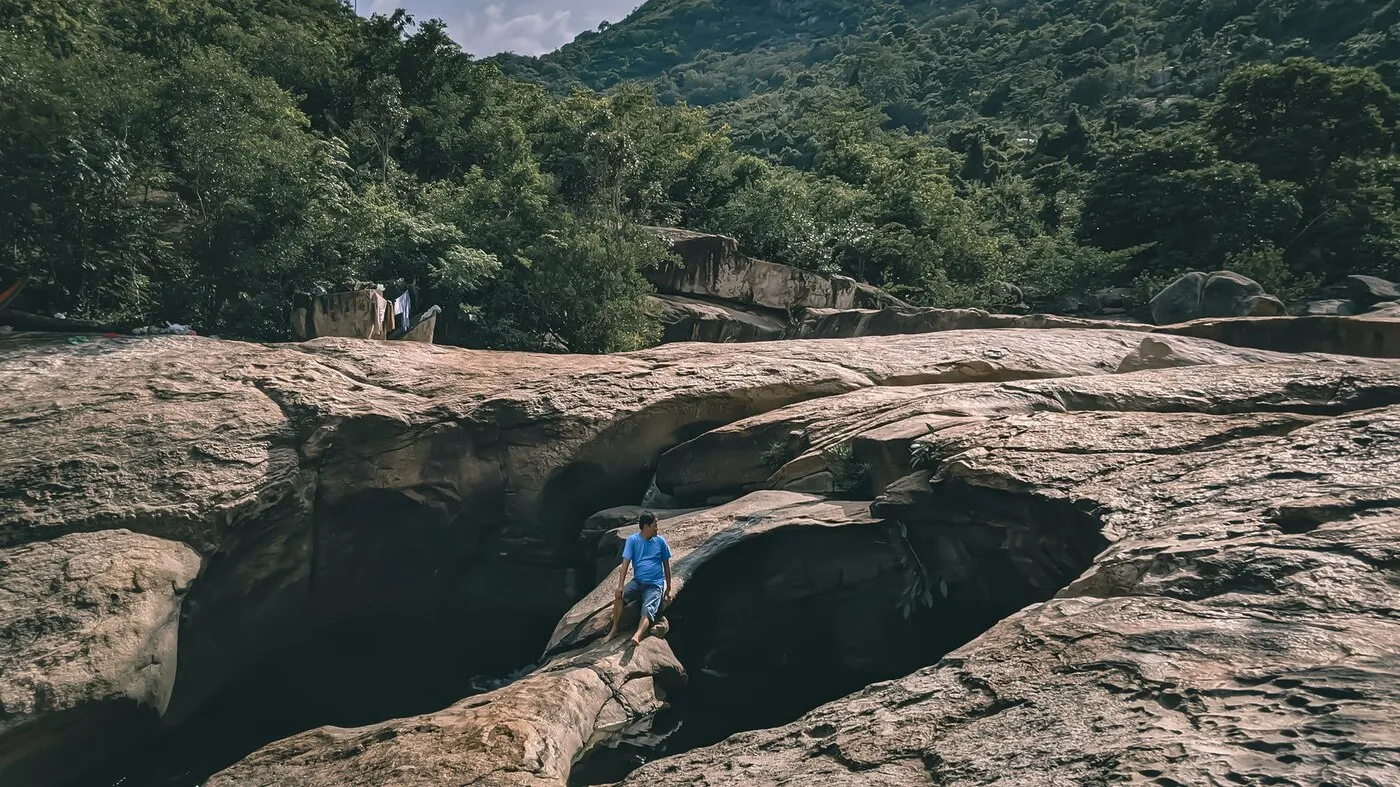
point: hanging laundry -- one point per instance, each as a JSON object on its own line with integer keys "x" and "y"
{"x": 401, "y": 305}
{"x": 13, "y": 290}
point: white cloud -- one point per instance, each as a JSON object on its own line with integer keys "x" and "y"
{"x": 527, "y": 27}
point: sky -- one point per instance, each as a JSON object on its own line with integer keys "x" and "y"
{"x": 526, "y": 27}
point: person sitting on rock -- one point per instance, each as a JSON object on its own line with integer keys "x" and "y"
{"x": 648, "y": 556}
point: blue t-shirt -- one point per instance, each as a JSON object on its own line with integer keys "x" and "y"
{"x": 647, "y": 558}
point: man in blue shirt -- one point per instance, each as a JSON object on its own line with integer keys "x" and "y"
{"x": 648, "y": 556}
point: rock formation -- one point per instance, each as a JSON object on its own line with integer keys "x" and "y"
{"x": 359, "y": 314}
{"x": 1238, "y": 628}
{"x": 178, "y": 512}
{"x": 692, "y": 320}
{"x": 713, "y": 267}
{"x": 1374, "y": 334}
{"x": 1368, "y": 291}
{"x": 1355, "y": 295}
{"x": 1220, "y": 294}
{"x": 718, "y": 294}
{"x": 848, "y": 323}
{"x": 325, "y": 487}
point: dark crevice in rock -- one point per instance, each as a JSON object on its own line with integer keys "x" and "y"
{"x": 41, "y": 753}
{"x": 795, "y": 618}
{"x": 353, "y": 600}
{"x": 1306, "y": 516}
{"x": 345, "y": 678}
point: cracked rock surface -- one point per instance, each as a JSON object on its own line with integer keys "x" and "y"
{"x": 175, "y": 510}
{"x": 1239, "y": 628}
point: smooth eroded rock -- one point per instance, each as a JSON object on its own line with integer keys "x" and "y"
{"x": 1239, "y": 626}
{"x": 791, "y": 447}
{"x": 1367, "y": 291}
{"x": 693, "y": 320}
{"x": 88, "y": 636}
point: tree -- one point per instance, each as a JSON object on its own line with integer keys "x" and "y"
{"x": 1296, "y": 119}
{"x": 580, "y": 287}
{"x": 1175, "y": 193}
{"x": 77, "y": 211}
{"x": 380, "y": 120}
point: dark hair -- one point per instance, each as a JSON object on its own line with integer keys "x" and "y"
{"x": 647, "y": 518}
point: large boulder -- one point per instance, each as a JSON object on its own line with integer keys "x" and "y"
{"x": 693, "y": 320}
{"x": 1220, "y": 294}
{"x": 1179, "y": 301}
{"x": 712, "y": 267}
{"x": 1367, "y": 291}
{"x": 1228, "y": 294}
{"x": 88, "y": 627}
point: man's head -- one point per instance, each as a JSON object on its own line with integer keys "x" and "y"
{"x": 647, "y": 521}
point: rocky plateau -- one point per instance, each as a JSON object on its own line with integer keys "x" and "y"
{"x": 1021, "y": 554}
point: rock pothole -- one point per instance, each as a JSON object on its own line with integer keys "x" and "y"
{"x": 800, "y": 616}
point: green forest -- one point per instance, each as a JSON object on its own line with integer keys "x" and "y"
{"x": 200, "y": 161}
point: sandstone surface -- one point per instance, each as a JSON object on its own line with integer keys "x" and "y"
{"x": 692, "y": 320}
{"x": 1239, "y": 626}
{"x": 712, "y": 267}
{"x": 325, "y": 486}
{"x": 265, "y": 506}
{"x": 792, "y": 447}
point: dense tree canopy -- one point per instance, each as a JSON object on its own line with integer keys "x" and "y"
{"x": 202, "y": 160}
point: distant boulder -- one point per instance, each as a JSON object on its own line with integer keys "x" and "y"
{"x": 1330, "y": 307}
{"x": 1221, "y": 294}
{"x": 1367, "y": 291}
{"x": 1228, "y": 294}
{"x": 1180, "y": 301}
{"x": 1264, "y": 306}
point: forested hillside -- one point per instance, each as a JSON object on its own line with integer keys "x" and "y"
{"x": 928, "y": 65}
{"x": 200, "y": 161}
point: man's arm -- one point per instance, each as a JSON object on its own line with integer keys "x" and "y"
{"x": 666, "y": 594}
{"x": 622, "y": 578}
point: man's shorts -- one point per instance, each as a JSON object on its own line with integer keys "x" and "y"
{"x": 651, "y": 597}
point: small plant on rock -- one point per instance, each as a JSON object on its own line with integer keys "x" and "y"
{"x": 848, "y": 476}
{"x": 775, "y": 455}
{"x": 923, "y": 454}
